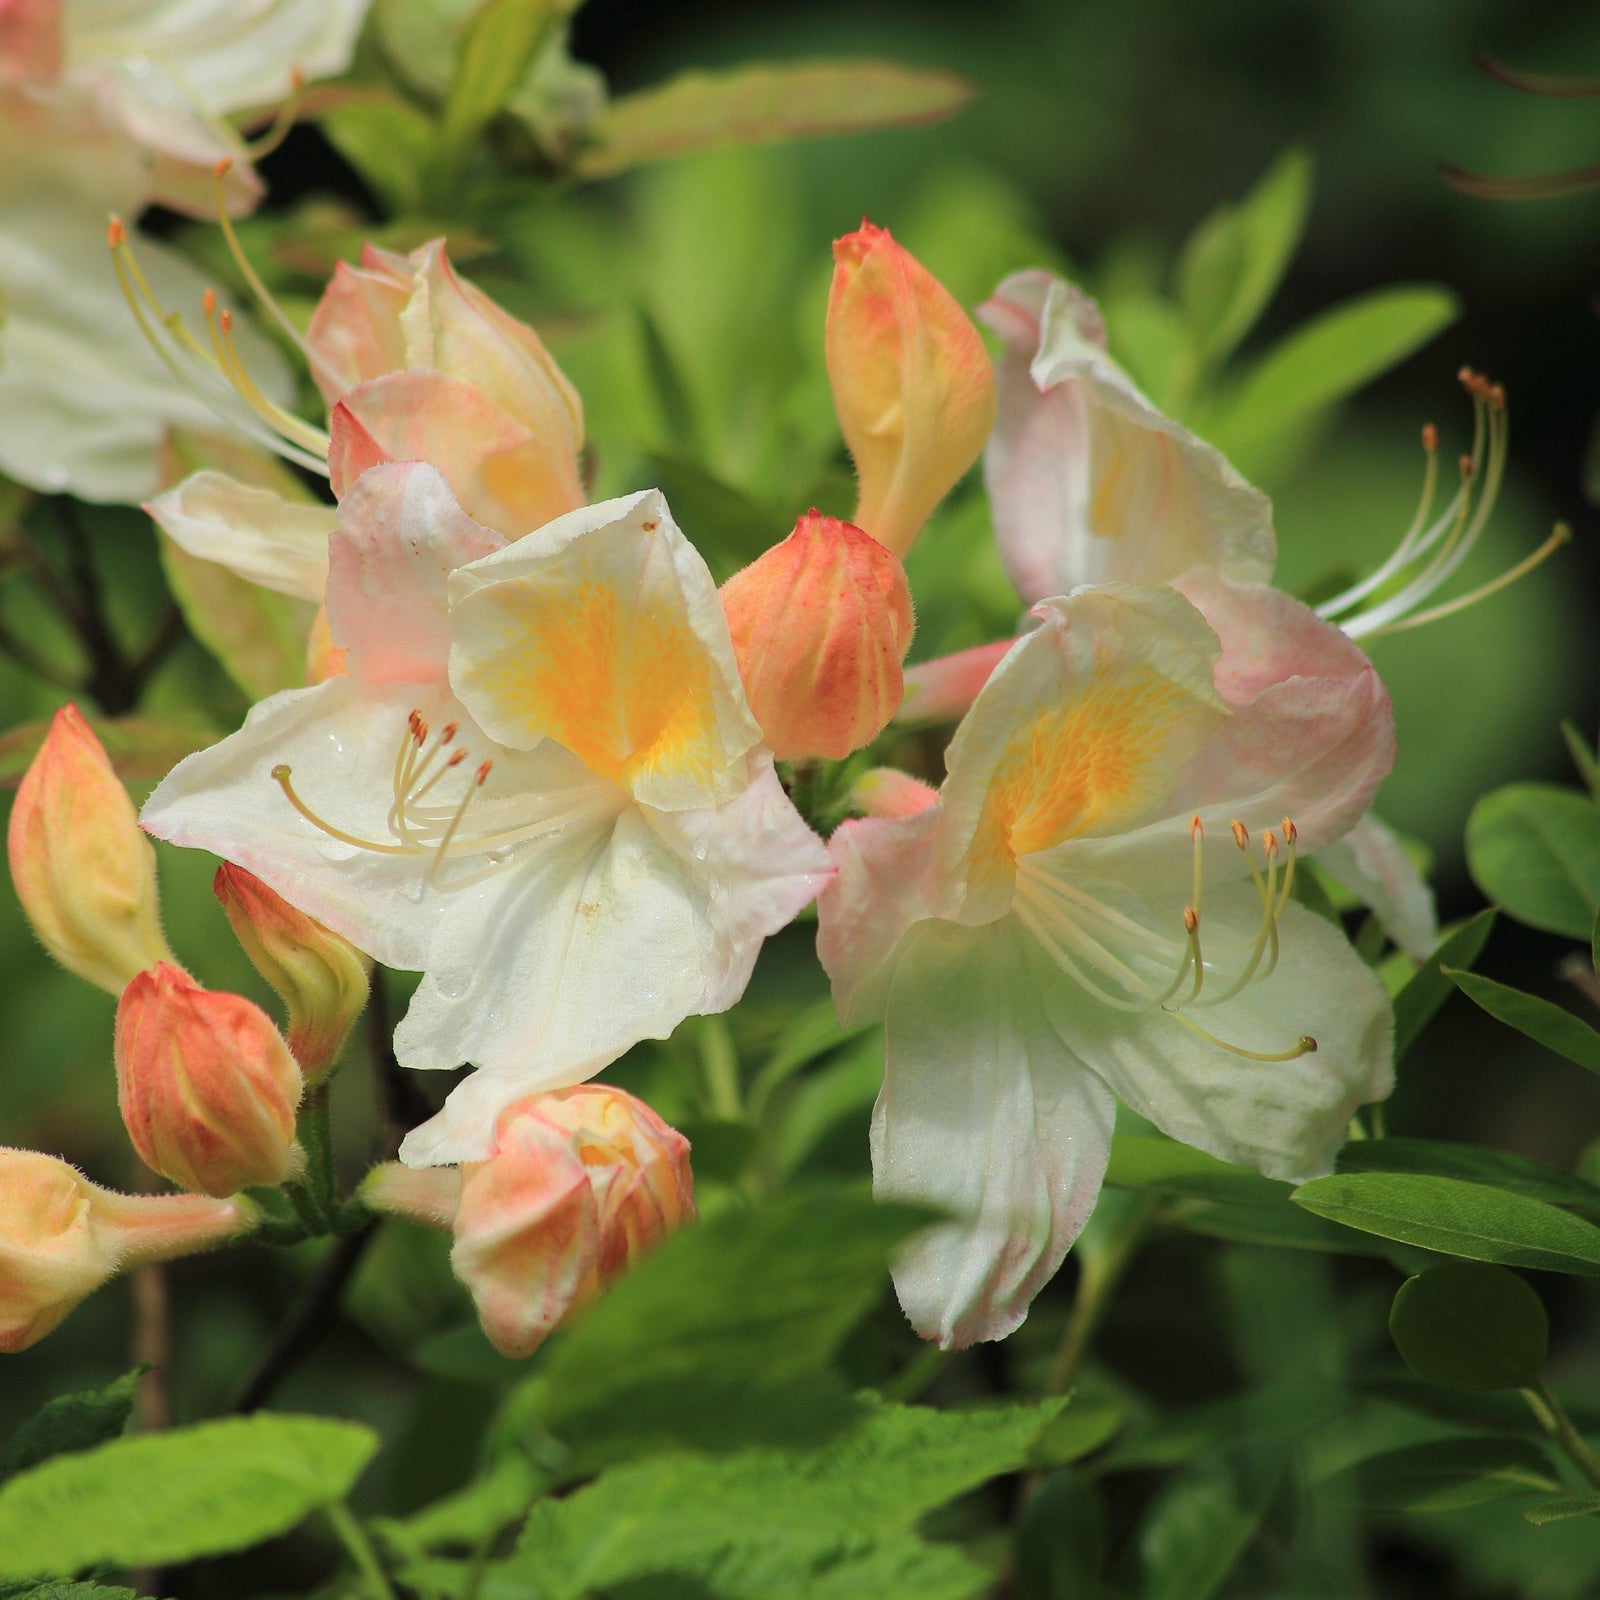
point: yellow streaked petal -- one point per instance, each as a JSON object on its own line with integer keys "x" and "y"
{"x": 604, "y": 632}
{"x": 1082, "y": 730}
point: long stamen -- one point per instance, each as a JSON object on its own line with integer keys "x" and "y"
{"x": 479, "y": 779}
{"x": 283, "y": 123}
{"x": 281, "y": 775}
{"x": 263, "y": 295}
{"x": 284, "y": 422}
{"x": 1304, "y": 1047}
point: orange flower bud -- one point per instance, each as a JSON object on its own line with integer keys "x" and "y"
{"x": 429, "y": 1195}
{"x": 320, "y": 977}
{"x": 85, "y": 874}
{"x": 61, "y": 1237}
{"x": 207, "y": 1086}
{"x": 912, "y": 383}
{"x": 580, "y": 1182}
{"x": 820, "y": 624}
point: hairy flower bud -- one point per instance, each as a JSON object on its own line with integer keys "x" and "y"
{"x": 885, "y": 792}
{"x": 820, "y": 624}
{"x": 85, "y": 874}
{"x": 320, "y": 977}
{"x": 580, "y": 1182}
{"x": 207, "y": 1086}
{"x": 912, "y": 383}
{"x": 61, "y": 1237}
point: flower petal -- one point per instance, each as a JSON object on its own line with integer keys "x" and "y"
{"x": 1089, "y": 482}
{"x": 355, "y": 331}
{"x": 985, "y": 1114}
{"x": 86, "y": 402}
{"x": 604, "y": 630}
{"x": 1372, "y": 864}
{"x": 1082, "y": 730}
{"x": 886, "y": 880}
{"x": 280, "y": 544}
{"x": 1284, "y": 1118}
{"x": 340, "y": 739}
{"x": 400, "y": 534}
{"x": 1312, "y": 734}
{"x": 504, "y": 476}
{"x": 610, "y": 930}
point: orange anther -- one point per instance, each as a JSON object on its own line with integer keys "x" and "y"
{"x": 1269, "y": 842}
{"x": 456, "y": 758}
{"x": 1430, "y": 437}
{"x": 1191, "y": 920}
{"x": 1241, "y": 834}
{"x": 116, "y": 233}
{"x": 222, "y": 168}
{"x": 483, "y": 774}
{"x": 1290, "y": 832}
{"x": 1497, "y": 396}
{"x": 225, "y": 320}
{"x": 448, "y": 733}
{"x": 1466, "y": 469}
{"x": 1197, "y": 829}
{"x": 208, "y": 302}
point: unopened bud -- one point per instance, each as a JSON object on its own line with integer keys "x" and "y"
{"x": 580, "y": 1183}
{"x": 61, "y": 1237}
{"x": 885, "y": 792}
{"x": 207, "y": 1086}
{"x": 820, "y": 624}
{"x": 912, "y": 383}
{"x": 85, "y": 874}
{"x": 320, "y": 977}
{"x": 429, "y": 1195}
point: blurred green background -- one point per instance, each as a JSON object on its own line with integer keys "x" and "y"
{"x": 686, "y": 302}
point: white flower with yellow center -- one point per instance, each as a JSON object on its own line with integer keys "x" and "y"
{"x": 538, "y": 783}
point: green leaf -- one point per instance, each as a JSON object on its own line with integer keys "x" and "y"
{"x": 1541, "y": 1020}
{"x": 1147, "y": 1161}
{"x": 1584, "y": 759}
{"x": 762, "y": 104}
{"x": 1470, "y": 1326}
{"x": 166, "y": 1497}
{"x": 1503, "y": 1169}
{"x": 1457, "y": 1218}
{"x": 496, "y": 49}
{"x": 1330, "y": 357}
{"x": 1079, "y": 1431}
{"x": 1417, "y": 1002}
{"x": 769, "y": 1525}
{"x": 1534, "y": 849}
{"x": 64, "y": 1591}
{"x": 388, "y": 141}
{"x": 1060, "y": 1541}
{"x": 724, "y": 1336}
{"x": 1445, "y": 1475}
{"x": 72, "y": 1422}
{"x": 1192, "y": 1536}
{"x": 1236, "y": 258}
{"x": 1564, "y": 1506}
{"x": 258, "y": 636}
{"x": 140, "y": 748}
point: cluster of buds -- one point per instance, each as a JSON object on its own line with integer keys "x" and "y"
{"x": 579, "y": 1183}
{"x": 822, "y": 621}
{"x": 207, "y": 1084}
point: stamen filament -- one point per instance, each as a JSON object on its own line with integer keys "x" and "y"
{"x": 283, "y": 123}
{"x": 281, "y": 775}
{"x": 1559, "y": 536}
{"x": 274, "y": 415}
{"x": 1306, "y": 1045}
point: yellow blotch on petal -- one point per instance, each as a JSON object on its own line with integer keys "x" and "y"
{"x": 1081, "y": 767}
{"x": 627, "y": 691}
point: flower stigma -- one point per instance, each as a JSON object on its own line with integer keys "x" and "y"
{"x": 1098, "y": 946}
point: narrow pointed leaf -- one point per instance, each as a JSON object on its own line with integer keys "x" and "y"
{"x": 1541, "y": 1020}
{"x": 1428, "y": 989}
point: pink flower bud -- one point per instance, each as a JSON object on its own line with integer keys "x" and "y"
{"x": 417, "y": 364}
{"x": 580, "y": 1182}
{"x": 429, "y": 1195}
{"x": 912, "y": 383}
{"x": 820, "y": 624}
{"x": 885, "y": 792}
{"x": 207, "y": 1086}
{"x": 85, "y": 874}
{"x": 320, "y": 977}
{"x": 61, "y": 1237}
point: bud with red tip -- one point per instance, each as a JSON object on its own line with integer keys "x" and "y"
{"x": 320, "y": 977}
{"x": 912, "y": 383}
{"x": 61, "y": 1237}
{"x": 207, "y": 1086}
{"x": 85, "y": 874}
{"x": 580, "y": 1183}
{"x": 820, "y": 624}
